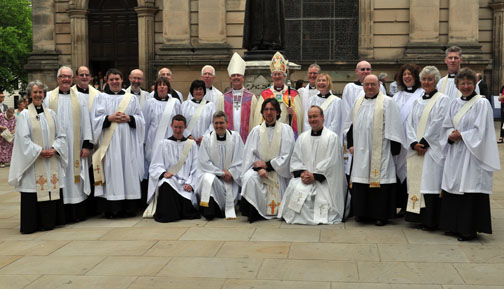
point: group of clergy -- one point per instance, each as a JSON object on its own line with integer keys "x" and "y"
{"x": 280, "y": 155}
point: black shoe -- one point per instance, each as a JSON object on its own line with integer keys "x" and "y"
{"x": 380, "y": 223}
{"x": 466, "y": 237}
{"x": 449, "y": 233}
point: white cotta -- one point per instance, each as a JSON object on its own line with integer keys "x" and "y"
{"x": 153, "y": 112}
{"x": 25, "y": 151}
{"x": 212, "y": 157}
{"x": 332, "y": 114}
{"x": 253, "y": 189}
{"x": 142, "y": 97}
{"x": 351, "y": 93}
{"x": 433, "y": 163}
{"x": 204, "y": 124}
{"x": 306, "y": 94}
{"x": 362, "y": 140}
{"x": 123, "y": 163}
{"x": 446, "y": 85}
{"x": 324, "y": 202}
{"x": 213, "y": 95}
{"x": 470, "y": 162}
{"x": 164, "y": 157}
{"x": 74, "y": 193}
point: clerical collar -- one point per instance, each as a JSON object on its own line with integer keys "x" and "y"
{"x": 278, "y": 88}
{"x": 451, "y": 75}
{"x": 156, "y": 96}
{"x": 313, "y": 87}
{"x": 82, "y": 90}
{"x": 371, "y": 96}
{"x": 317, "y": 133}
{"x": 210, "y": 88}
{"x": 270, "y": 125}
{"x": 358, "y": 83}
{"x": 108, "y": 91}
{"x": 39, "y": 109}
{"x": 412, "y": 89}
{"x": 221, "y": 138}
{"x": 63, "y": 92}
{"x": 136, "y": 93}
{"x": 467, "y": 98}
{"x": 429, "y": 95}
{"x": 177, "y": 140}
{"x": 325, "y": 95}
{"x": 235, "y": 91}
{"x": 196, "y": 101}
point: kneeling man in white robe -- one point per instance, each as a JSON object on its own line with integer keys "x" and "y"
{"x": 317, "y": 193}
{"x": 266, "y": 164}
{"x": 220, "y": 162}
{"x": 173, "y": 177}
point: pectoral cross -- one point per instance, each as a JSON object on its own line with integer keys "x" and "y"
{"x": 273, "y": 205}
{"x": 375, "y": 172}
{"x": 414, "y": 199}
{"x": 41, "y": 181}
{"x": 237, "y": 101}
{"x": 54, "y": 181}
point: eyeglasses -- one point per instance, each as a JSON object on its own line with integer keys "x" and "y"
{"x": 64, "y": 76}
{"x": 84, "y": 74}
{"x": 365, "y": 69}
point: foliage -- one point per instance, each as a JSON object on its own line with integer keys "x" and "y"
{"x": 15, "y": 41}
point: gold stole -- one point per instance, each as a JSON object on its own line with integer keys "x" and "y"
{"x": 327, "y": 102}
{"x": 151, "y": 209}
{"x": 43, "y": 187}
{"x": 268, "y": 152}
{"x": 98, "y": 156}
{"x": 376, "y": 153}
{"x": 443, "y": 87}
{"x": 196, "y": 115}
{"x": 462, "y": 111}
{"x": 75, "y": 106}
{"x": 415, "y": 162}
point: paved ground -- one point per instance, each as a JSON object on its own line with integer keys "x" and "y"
{"x": 136, "y": 253}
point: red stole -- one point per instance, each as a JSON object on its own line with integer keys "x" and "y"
{"x": 245, "y": 112}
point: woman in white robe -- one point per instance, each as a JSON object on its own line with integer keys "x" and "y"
{"x": 38, "y": 215}
{"x": 471, "y": 158}
{"x": 330, "y": 103}
{"x": 408, "y": 83}
{"x": 198, "y": 112}
{"x": 429, "y": 146}
{"x": 158, "y": 112}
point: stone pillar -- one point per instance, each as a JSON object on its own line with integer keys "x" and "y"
{"x": 145, "y": 40}
{"x": 424, "y": 31}
{"x": 366, "y": 18}
{"x": 498, "y": 45}
{"x": 463, "y": 22}
{"x": 176, "y": 22}
{"x": 212, "y": 21}
{"x": 79, "y": 34}
{"x": 43, "y": 61}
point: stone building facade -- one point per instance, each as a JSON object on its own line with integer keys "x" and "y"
{"x": 187, "y": 34}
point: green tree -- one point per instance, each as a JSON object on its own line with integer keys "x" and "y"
{"x": 15, "y": 41}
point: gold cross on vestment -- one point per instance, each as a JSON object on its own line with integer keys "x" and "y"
{"x": 414, "y": 199}
{"x": 41, "y": 181}
{"x": 97, "y": 170}
{"x": 77, "y": 163}
{"x": 273, "y": 205}
{"x": 54, "y": 181}
{"x": 375, "y": 172}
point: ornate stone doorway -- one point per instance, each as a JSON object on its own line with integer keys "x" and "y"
{"x": 113, "y": 36}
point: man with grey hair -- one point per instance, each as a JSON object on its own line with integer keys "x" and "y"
{"x": 136, "y": 78}
{"x": 310, "y": 89}
{"x": 72, "y": 112}
{"x": 220, "y": 161}
{"x": 453, "y": 59}
{"x": 167, "y": 73}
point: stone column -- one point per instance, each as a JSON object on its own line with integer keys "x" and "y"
{"x": 463, "y": 22}
{"x": 145, "y": 40}
{"x": 79, "y": 34}
{"x": 212, "y": 21}
{"x": 176, "y": 22}
{"x": 366, "y": 18}
{"x": 424, "y": 31}
{"x": 498, "y": 45}
{"x": 43, "y": 61}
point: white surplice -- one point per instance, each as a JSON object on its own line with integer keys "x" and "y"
{"x": 404, "y": 100}
{"x": 165, "y": 156}
{"x": 362, "y": 140}
{"x": 25, "y": 152}
{"x": 322, "y": 202}
{"x": 74, "y": 193}
{"x": 153, "y": 112}
{"x": 307, "y": 93}
{"x": 205, "y": 120}
{"x": 142, "y": 97}
{"x": 207, "y": 166}
{"x": 470, "y": 162}
{"x": 213, "y": 95}
{"x": 332, "y": 114}
{"x": 433, "y": 163}
{"x": 351, "y": 93}
{"x": 450, "y": 88}
{"x": 123, "y": 163}
{"x": 253, "y": 189}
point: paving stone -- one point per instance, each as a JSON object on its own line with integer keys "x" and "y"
{"x": 105, "y": 248}
{"x": 308, "y": 270}
{"x": 17, "y": 281}
{"x": 176, "y": 283}
{"x": 186, "y": 267}
{"x": 421, "y": 253}
{"x": 254, "y": 249}
{"x": 274, "y": 284}
{"x": 334, "y": 251}
{"x": 82, "y": 282}
{"x": 30, "y": 248}
{"x": 287, "y": 235}
{"x": 51, "y": 265}
{"x": 129, "y": 266}
{"x": 481, "y": 274}
{"x": 144, "y": 233}
{"x": 218, "y": 234}
{"x": 185, "y": 248}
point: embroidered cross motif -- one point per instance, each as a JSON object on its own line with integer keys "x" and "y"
{"x": 41, "y": 181}
{"x": 273, "y": 205}
{"x": 54, "y": 181}
{"x": 97, "y": 170}
{"x": 414, "y": 199}
{"x": 375, "y": 172}
{"x": 77, "y": 163}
